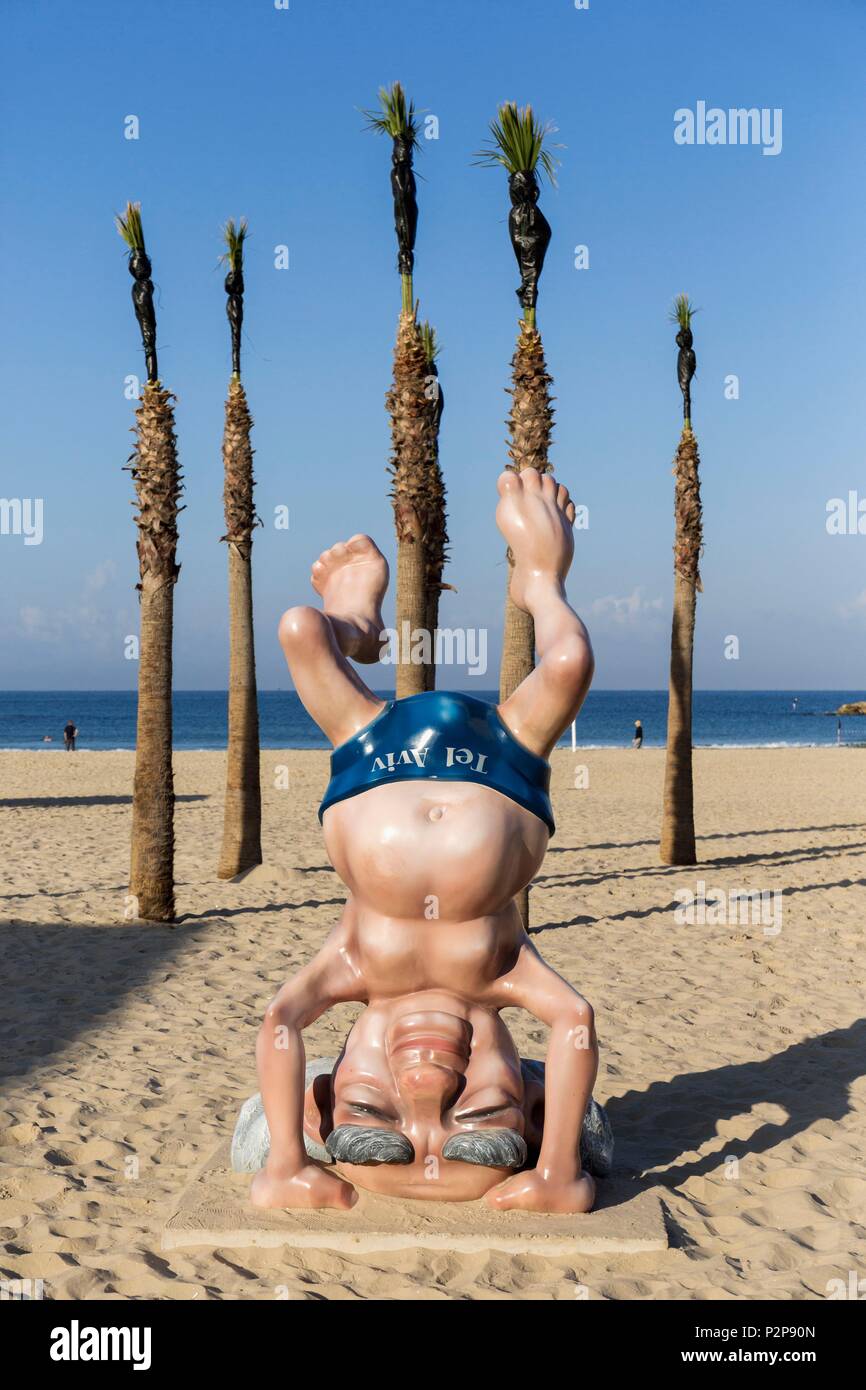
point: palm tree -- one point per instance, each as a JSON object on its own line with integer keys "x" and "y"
{"x": 413, "y": 441}
{"x": 398, "y": 120}
{"x": 520, "y": 143}
{"x": 242, "y": 823}
{"x": 678, "y": 817}
{"x": 435, "y": 529}
{"x": 158, "y": 486}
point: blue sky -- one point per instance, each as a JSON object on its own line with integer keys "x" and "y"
{"x": 249, "y": 110}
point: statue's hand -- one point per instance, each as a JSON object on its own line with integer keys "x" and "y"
{"x": 308, "y": 1186}
{"x": 535, "y": 1191}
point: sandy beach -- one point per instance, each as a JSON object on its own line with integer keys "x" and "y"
{"x": 732, "y": 1051}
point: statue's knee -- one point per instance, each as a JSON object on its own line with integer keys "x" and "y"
{"x": 571, "y": 660}
{"x": 302, "y": 627}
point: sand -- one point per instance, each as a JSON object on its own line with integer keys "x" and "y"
{"x": 732, "y": 1053}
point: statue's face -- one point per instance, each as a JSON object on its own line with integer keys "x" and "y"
{"x": 428, "y": 1100}
{"x": 523, "y": 187}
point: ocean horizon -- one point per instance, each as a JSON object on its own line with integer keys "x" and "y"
{"x": 34, "y": 719}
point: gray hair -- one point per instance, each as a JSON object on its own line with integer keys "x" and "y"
{"x": 492, "y": 1148}
{"x": 366, "y": 1144}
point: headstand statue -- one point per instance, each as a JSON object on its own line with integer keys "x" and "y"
{"x": 436, "y": 815}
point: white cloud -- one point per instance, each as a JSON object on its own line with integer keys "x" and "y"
{"x": 100, "y": 577}
{"x": 91, "y": 621}
{"x": 36, "y": 623}
{"x": 856, "y": 608}
{"x": 631, "y": 611}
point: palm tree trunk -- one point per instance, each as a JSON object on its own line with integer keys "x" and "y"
{"x": 518, "y": 646}
{"x": 157, "y": 481}
{"x": 435, "y": 529}
{"x": 242, "y": 821}
{"x": 530, "y": 424}
{"x": 152, "y": 861}
{"x": 431, "y": 622}
{"x": 411, "y": 604}
{"x": 412, "y": 448}
{"x": 678, "y": 817}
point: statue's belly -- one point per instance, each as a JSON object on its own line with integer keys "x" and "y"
{"x": 434, "y": 851}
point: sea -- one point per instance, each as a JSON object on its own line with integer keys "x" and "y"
{"x": 722, "y": 719}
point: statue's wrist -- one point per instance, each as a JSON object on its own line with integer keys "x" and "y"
{"x": 286, "y": 1165}
{"x": 557, "y": 1170}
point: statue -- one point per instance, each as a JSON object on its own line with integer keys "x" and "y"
{"x": 436, "y": 815}
{"x": 530, "y": 233}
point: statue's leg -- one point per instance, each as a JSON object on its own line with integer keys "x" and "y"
{"x": 536, "y": 517}
{"x": 351, "y": 578}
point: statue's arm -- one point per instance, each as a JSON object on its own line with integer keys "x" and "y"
{"x": 332, "y": 977}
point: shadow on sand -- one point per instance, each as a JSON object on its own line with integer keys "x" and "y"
{"x": 47, "y": 802}
{"x": 727, "y": 835}
{"x": 809, "y": 1080}
{"x": 635, "y": 914}
{"x": 60, "y": 993}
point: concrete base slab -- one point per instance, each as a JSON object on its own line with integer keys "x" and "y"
{"x": 213, "y": 1211}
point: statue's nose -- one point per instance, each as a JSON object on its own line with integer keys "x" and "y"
{"x": 428, "y": 1086}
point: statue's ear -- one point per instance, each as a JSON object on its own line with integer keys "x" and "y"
{"x": 318, "y": 1109}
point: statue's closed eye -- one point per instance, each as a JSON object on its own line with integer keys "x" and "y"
{"x": 364, "y": 1108}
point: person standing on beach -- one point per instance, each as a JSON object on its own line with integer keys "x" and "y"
{"x": 638, "y": 734}
{"x": 69, "y": 735}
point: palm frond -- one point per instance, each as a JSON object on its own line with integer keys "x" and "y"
{"x": 519, "y": 142}
{"x": 130, "y": 228}
{"x": 682, "y": 311}
{"x": 234, "y": 236}
{"x": 394, "y": 118}
{"x": 429, "y": 341}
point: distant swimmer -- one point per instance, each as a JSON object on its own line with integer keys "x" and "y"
{"x": 638, "y": 734}
{"x": 795, "y": 703}
{"x": 70, "y": 733}
{"x": 47, "y": 738}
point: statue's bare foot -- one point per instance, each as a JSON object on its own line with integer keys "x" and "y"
{"x": 536, "y": 516}
{"x": 352, "y": 578}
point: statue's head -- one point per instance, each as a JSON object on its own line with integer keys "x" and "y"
{"x": 523, "y": 187}
{"x": 401, "y": 152}
{"x": 428, "y": 1099}
{"x": 139, "y": 264}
